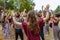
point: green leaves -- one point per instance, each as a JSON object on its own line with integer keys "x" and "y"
{"x": 57, "y": 9}
{"x": 18, "y": 4}
{"x": 1, "y": 3}
{"x": 26, "y": 4}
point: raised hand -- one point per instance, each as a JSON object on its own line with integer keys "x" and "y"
{"x": 13, "y": 13}
{"x": 47, "y": 7}
{"x": 42, "y": 7}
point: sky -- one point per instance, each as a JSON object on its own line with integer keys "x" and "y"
{"x": 53, "y": 4}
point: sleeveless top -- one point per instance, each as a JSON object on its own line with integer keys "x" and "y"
{"x": 55, "y": 23}
{"x": 7, "y": 25}
{"x": 18, "y": 20}
{"x": 41, "y": 23}
{"x": 30, "y": 35}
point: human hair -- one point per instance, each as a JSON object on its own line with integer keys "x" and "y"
{"x": 57, "y": 15}
{"x": 33, "y": 24}
{"x": 17, "y": 15}
{"x": 3, "y": 19}
{"x": 39, "y": 14}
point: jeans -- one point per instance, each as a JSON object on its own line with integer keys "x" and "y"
{"x": 18, "y": 32}
{"x": 42, "y": 35}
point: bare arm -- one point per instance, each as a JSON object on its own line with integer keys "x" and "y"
{"x": 16, "y": 23}
{"x": 47, "y": 16}
{"x": 55, "y": 19}
{"x": 42, "y": 13}
{"x": 14, "y": 20}
{"x": 6, "y": 17}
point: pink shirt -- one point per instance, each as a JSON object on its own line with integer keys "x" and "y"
{"x": 30, "y": 35}
{"x": 41, "y": 23}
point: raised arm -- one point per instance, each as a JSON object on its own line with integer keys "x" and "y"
{"x": 56, "y": 19}
{"x": 47, "y": 16}
{"x": 14, "y": 20}
{"x": 7, "y": 17}
{"x": 47, "y": 13}
{"x": 42, "y": 13}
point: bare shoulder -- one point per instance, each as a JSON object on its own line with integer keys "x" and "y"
{"x": 24, "y": 23}
{"x": 27, "y": 23}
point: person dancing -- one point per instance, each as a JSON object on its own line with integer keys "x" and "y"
{"x": 54, "y": 21}
{"x": 30, "y": 27}
{"x": 41, "y": 21}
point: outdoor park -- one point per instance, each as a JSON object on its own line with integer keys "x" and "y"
{"x": 21, "y": 8}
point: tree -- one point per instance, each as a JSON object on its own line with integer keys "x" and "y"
{"x": 26, "y": 4}
{"x": 9, "y": 4}
{"x": 18, "y": 5}
{"x": 1, "y": 3}
{"x": 57, "y": 9}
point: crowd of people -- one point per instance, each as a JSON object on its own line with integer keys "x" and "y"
{"x": 35, "y": 25}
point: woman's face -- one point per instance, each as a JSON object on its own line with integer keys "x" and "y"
{"x": 52, "y": 16}
{"x": 40, "y": 14}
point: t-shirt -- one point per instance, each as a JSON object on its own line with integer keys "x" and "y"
{"x": 30, "y": 35}
{"x": 18, "y": 20}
